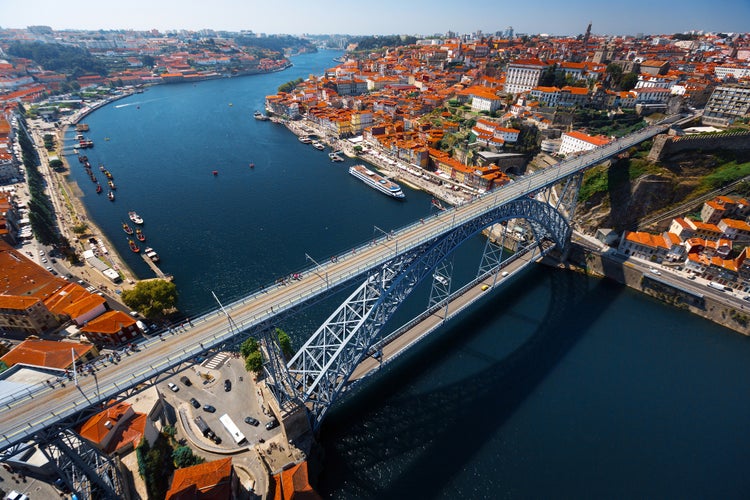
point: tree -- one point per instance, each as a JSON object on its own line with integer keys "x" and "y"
{"x": 285, "y": 343}
{"x": 169, "y": 431}
{"x": 628, "y": 81}
{"x": 254, "y": 362}
{"x": 151, "y": 298}
{"x": 614, "y": 71}
{"x": 148, "y": 61}
{"x": 248, "y": 347}
{"x": 183, "y": 456}
{"x": 56, "y": 164}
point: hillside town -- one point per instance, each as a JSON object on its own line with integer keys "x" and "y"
{"x": 473, "y": 112}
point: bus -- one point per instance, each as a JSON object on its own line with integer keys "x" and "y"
{"x": 232, "y": 429}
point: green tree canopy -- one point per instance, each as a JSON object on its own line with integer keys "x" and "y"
{"x": 151, "y": 298}
{"x": 248, "y": 347}
{"x": 285, "y": 342}
{"x": 56, "y": 57}
{"x": 628, "y": 81}
{"x": 183, "y": 456}
{"x": 254, "y": 362}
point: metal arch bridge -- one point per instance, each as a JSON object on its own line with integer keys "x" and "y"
{"x": 390, "y": 268}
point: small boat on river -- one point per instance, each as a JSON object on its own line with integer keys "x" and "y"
{"x": 98, "y": 188}
{"x": 151, "y": 254}
{"x": 139, "y": 234}
{"x": 111, "y": 196}
{"x": 260, "y": 116}
{"x": 128, "y": 230}
{"x": 111, "y": 185}
{"x": 135, "y": 217}
{"x": 133, "y": 246}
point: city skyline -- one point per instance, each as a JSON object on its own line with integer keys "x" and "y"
{"x": 392, "y": 17}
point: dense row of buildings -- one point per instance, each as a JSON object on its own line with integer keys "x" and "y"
{"x": 705, "y": 247}
{"x": 397, "y": 99}
{"x": 33, "y": 301}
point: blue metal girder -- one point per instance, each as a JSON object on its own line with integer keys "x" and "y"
{"x": 322, "y": 367}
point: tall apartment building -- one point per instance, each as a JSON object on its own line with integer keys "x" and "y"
{"x": 523, "y": 75}
{"x": 727, "y": 103}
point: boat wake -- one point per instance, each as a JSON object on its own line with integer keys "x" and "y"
{"x": 138, "y": 103}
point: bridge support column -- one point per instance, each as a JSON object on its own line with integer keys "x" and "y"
{"x": 441, "y": 284}
{"x": 90, "y": 473}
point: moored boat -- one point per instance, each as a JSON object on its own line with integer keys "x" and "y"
{"x": 151, "y": 254}
{"x": 335, "y": 157}
{"x": 139, "y": 234}
{"x": 318, "y": 145}
{"x": 98, "y": 188}
{"x": 376, "y": 181}
{"x": 260, "y": 116}
{"x": 111, "y": 185}
{"x": 111, "y": 196}
{"x": 133, "y": 246}
{"x": 126, "y": 228}
{"x": 305, "y": 139}
{"x": 135, "y": 217}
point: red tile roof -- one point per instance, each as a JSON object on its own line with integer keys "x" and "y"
{"x": 49, "y": 353}
{"x": 109, "y": 322}
{"x": 210, "y": 480}
{"x": 294, "y": 484}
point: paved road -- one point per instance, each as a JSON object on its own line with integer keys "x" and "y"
{"x": 22, "y": 417}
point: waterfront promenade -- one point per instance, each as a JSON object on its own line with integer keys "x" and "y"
{"x": 70, "y": 211}
{"x": 392, "y": 168}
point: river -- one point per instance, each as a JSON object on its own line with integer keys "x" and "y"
{"x": 557, "y": 386}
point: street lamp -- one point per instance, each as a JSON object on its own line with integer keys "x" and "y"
{"x": 319, "y": 267}
{"x": 389, "y": 236}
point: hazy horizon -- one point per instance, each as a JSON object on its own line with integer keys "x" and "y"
{"x": 418, "y": 17}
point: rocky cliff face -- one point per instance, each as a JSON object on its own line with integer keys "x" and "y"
{"x": 630, "y": 197}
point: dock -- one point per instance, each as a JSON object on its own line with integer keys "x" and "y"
{"x": 158, "y": 272}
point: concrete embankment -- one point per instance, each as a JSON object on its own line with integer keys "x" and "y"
{"x": 703, "y": 305}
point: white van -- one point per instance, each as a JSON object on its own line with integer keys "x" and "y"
{"x": 14, "y": 495}
{"x": 717, "y": 286}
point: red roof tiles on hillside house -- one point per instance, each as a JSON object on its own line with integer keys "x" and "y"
{"x": 48, "y": 353}
{"x": 210, "y": 480}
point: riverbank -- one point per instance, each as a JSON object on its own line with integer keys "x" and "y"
{"x": 662, "y": 287}
{"x": 71, "y": 213}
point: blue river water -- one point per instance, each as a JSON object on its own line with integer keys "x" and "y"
{"x": 557, "y": 386}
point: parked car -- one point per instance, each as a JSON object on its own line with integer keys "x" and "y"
{"x": 227, "y": 385}
{"x": 173, "y": 387}
{"x": 209, "y": 408}
{"x": 195, "y": 403}
{"x": 186, "y": 381}
{"x": 251, "y": 421}
{"x": 272, "y": 424}
{"x": 216, "y": 439}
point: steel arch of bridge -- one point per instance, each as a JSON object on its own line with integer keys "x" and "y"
{"x": 319, "y": 371}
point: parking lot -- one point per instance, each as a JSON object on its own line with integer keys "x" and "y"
{"x": 216, "y": 386}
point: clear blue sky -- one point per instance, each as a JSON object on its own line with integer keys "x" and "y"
{"x": 383, "y": 16}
